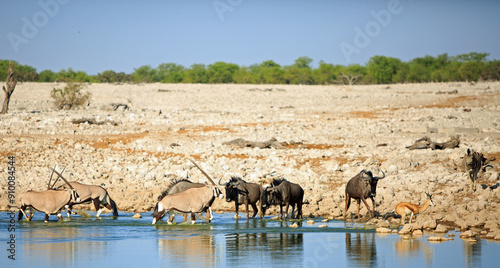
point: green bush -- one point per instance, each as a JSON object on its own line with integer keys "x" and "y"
{"x": 70, "y": 96}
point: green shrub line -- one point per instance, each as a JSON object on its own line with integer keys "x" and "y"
{"x": 378, "y": 70}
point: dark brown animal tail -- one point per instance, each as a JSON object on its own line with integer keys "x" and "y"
{"x": 155, "y": 211}
{"x": 19, "y": 215}
{"x": 113, "y": 206}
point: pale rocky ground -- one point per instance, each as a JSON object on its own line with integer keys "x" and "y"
{"x": 342, "y": 130}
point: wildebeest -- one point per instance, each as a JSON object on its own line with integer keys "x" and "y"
{"x": 92, "y": 194}
{"x": 473, "y": 161}
{"x": 49, "y": 201}
{"x": 242, "y": 192}
{"x": 192, "y": 201}
{"x": 407, "y": 208}
{"x": 283, "y": 193}
{"x": 361, "y": 187}
{"x": 181, "y": 185}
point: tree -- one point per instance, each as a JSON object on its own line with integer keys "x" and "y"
{"x": 300, "y": 72}
{"x": 382, "y": 69}
{"x": 69, "y": 97}
{"x": 196, "y": 74}
{"x": 47, "y": 76}
{"x": 170, "y": 73}
{"x": 221, "y": 72}
{"x": 145, "y": 74}
{"x": 268, "y": 72}
{"x": 110, "y": 76}
{"x": 11, "y": 85}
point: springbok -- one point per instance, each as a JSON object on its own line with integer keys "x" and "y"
{"x": 192, "y": 201}
{"x": 49, "y": 201}
{"x": 406, "y": 208}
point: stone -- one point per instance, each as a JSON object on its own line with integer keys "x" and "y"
{"x": 438, "y": 239}
{"x": 441, "y": 229}
{"x": 384, "y": 223}
{"x": 407, "y": 228}
{"x": 418, "y": 232}
{"x": 383, "y": 230}
{"x": 467, "y": 234}
{"x": 137, "y": 216}
{"x": 322, "y": 226}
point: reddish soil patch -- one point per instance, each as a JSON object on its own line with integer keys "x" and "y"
{"x": 365, "y": 114}
{"x": 105, "y": 141}
{"x": 472, "y": 100}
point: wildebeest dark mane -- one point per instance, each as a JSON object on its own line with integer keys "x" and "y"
{"x": 173, "y": 182}
{"x": 278, "y": 181}
{"x": 237, "y": 179}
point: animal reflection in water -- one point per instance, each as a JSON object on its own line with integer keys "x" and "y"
{"x": 58, "y": 245}
{"x": 412, "y": 247}
{"x": 189, "y": 248}
{"x": 285, "y": 247}
{"x": 361, "y": 249}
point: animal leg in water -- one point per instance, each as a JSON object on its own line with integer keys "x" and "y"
{"x": 211, "y": 214}
{"x": 193, "y": 218}
{"x": 170, "y": 219}
{"x": 97, "y": 205}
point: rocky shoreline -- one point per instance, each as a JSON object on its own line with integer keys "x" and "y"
{"x": 323, "y": 136}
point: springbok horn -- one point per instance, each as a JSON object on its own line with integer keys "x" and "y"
{"x": 50, "y": 180}
{"x": 60, "y": 175}
{"x": 55, "y": 181}
{"x": 202, "y": 171}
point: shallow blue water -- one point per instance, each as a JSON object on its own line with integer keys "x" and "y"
{"x": 125, "y": 241}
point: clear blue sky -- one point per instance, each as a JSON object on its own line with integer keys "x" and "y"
{"x": 94, "y": 36}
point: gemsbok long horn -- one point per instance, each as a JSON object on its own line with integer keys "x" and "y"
{"x": 55, "y": 181}
{"x": 60, "y": 175}
{"x": 202, "y": 171}
{"x": 50, "y": 180}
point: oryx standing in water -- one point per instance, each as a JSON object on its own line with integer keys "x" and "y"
{"x": 49, "y": 201}
{"x": 192, "y": 200}
{"x": 92, "y": 194}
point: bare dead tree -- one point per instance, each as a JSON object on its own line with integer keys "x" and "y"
{"x": 349, "y": 79}
{"x": 11, "y": 85}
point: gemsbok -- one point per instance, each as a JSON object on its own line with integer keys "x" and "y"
{"x": 192, "y": 200}
{"x": 92, "y": 194}
{"x": 407, "y": 208}
{"x": 51, "y": 201}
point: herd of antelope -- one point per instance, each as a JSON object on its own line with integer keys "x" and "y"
{"x": 186, "y": 197}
